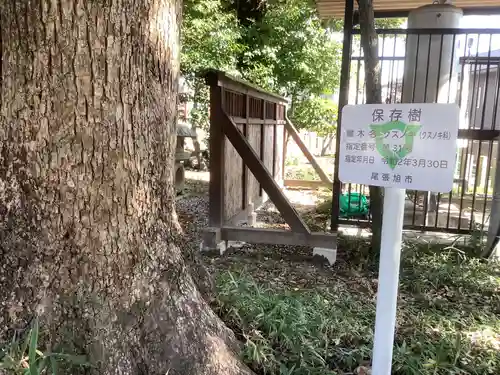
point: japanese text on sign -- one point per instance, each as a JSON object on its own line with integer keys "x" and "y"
{"x": 403, "y": 145}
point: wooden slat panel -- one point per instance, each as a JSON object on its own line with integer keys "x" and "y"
{"x": 267, "y": 181}
{"x": 268, "y": 147}
{"x": 253, "y": 137}
{"x": 233, "y": 171}
{"x": 280, "y": 139}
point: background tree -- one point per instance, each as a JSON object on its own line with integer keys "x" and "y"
{"x": 319, "y": 115}
{"x": 210, "y": 40}
{"x": 87, "y": 224}
{"x": 291, "y": 52}
{"x": 369, "y": 43}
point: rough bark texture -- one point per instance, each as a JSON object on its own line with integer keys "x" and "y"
{"x": 87, "y": 222}
{"x": 369, "y": 43}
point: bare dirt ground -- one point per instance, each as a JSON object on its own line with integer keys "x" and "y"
{"x": 280, "y": 266}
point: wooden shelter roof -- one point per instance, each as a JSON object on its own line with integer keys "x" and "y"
{"x": 387, "y": 8}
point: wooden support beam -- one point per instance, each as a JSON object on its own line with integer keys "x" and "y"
{"x": 281, "y": 237}
{"x": 259, "y": 170}
{"x": 296, "y": 137}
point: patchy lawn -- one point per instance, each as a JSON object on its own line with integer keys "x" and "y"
{"x": 296, "y": 315}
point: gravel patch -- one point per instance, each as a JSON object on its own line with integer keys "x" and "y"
{"x": 192, "y": 212}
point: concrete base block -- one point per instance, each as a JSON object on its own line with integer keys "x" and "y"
{"x": 211, "y": 240}
{"x": 252, "y": 219}
{"x": 329, "y": 254}
{"x": 220, "y": 246}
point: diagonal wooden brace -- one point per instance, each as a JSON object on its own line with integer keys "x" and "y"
{"x": 259, "y": 170}
{"x": 296, "y": 137}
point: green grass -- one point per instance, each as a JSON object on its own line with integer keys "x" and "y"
{"x": 22, "y": 356}
{"x": 448, "y": 318}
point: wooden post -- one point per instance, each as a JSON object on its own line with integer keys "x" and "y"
{"x": 262, "y": 139}
{"x": 245, "y": 178}
{"x": 275, "y": 134}
{"x": 285, "y": 146}
{"x": 217, "y": 156}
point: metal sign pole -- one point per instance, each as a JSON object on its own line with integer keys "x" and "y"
{"x": 388, "y": 280}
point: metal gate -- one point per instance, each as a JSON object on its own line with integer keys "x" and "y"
{"x": 473, "y": 83}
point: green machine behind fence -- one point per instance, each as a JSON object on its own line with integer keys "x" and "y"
{"x": 354, "y": 205}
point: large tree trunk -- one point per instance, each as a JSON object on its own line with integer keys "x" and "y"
{"x": 87, "y": 220}
{"x": 369, "y": 43}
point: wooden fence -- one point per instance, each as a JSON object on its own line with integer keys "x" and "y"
{"x": 247, "y": 133}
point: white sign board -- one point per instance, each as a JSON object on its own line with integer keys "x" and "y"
{"x": 406, "y": 146}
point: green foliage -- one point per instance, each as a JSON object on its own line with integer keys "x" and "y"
{"x": 210, "y": 40}
{"x": 292, "y": 161}
{"x": 22, "y": 356}
{"x": 290, "y": 51}
{"x": 316, "y": 114}
{"x": 209, "y": 37}
{"x": 389, "y": 23}
{"x": 199, "y": 115}
{"x": 447, "y": 323}
{"x": 280, "y": 45}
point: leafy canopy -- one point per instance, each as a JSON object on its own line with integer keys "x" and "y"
{"x": 290, "y": 51}
{"x": 209, "y": 38}
{"x": 316, "y": 114}
{"x": 280, "y": 45}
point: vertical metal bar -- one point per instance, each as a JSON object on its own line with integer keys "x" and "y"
{"x": 450, "y": 195}
{"x": 391, "y": 76}
{"x": 217, "y": 153}
{"x": 438, "y": 200}
{"x": 403, "y": 80}
{"x": 487, "y": 185}
{"x": 381, "y": 59}
{"x": 481, "y": 127}
{"x": 415, "y": 198}
{"x": 493, "y": 121}
{"x": 451, "y": 66}
{"x": 349, "y": 186}
{"x": 343, "y": 98}
{"x": 463, "y": 155}
{"x": 478, "y": 164}
{"x": 469, "y": 143}
{"x": 426, "y": 194}
{"x": 358, "y": 74}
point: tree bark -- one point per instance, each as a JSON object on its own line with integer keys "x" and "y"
{"x": 87, "y": 219}
{"x": 369, "y": 43}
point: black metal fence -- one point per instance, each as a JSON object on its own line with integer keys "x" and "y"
{"x": 450, "y": 66}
